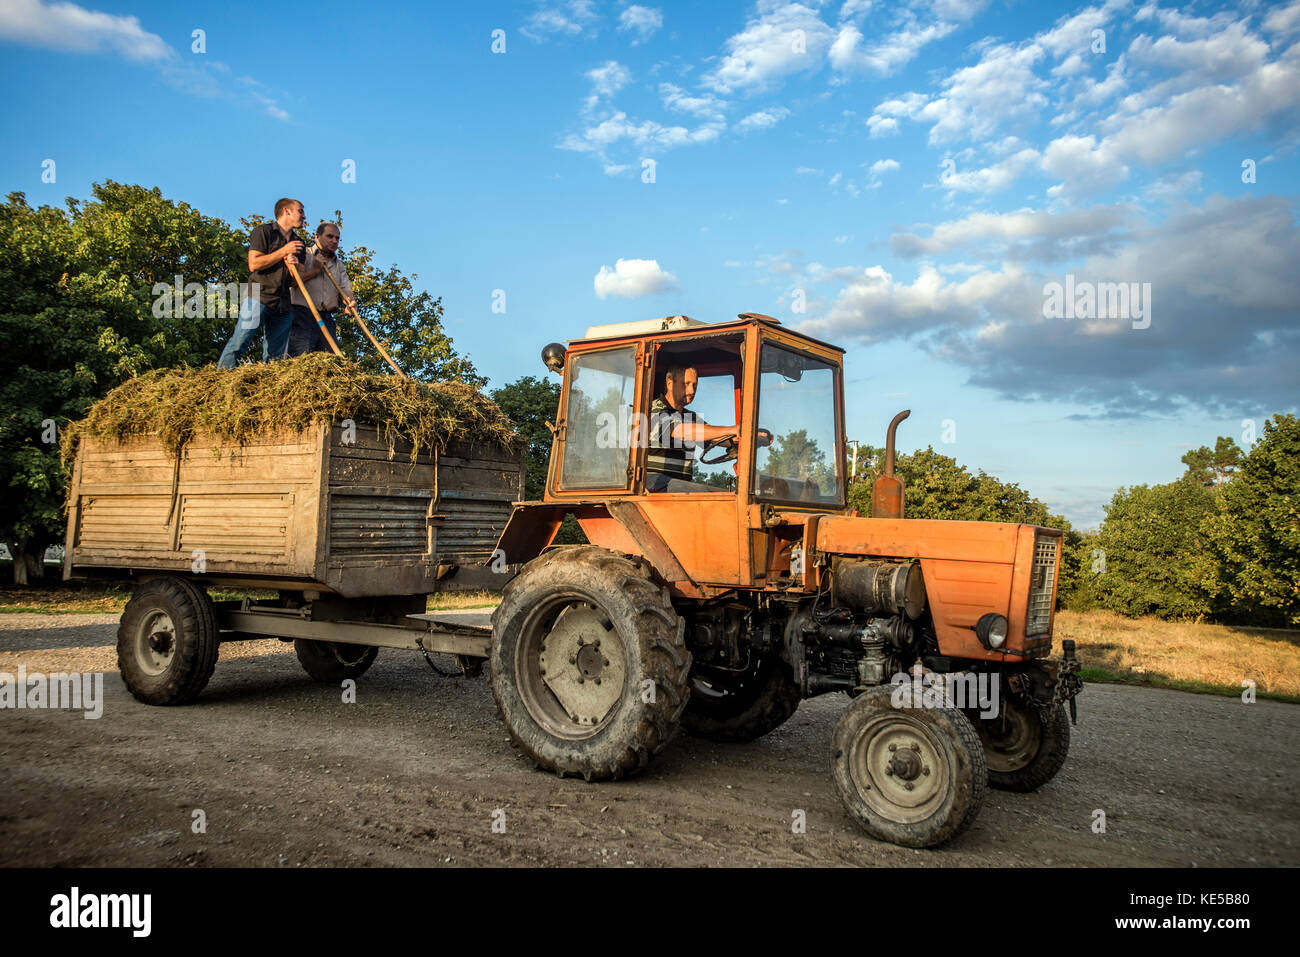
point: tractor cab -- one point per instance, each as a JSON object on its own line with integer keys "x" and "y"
{"x": 637, "y": 394}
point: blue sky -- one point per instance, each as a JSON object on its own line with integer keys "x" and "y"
{"x": 903, "y": 179}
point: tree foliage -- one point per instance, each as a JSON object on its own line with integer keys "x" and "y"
{"x": 1254, "y": 531}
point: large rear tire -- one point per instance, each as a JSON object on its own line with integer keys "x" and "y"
{"x": 589, "y": 666}
{"x": 741, "y": 707}
{"x": 1021, "y": 753}
{"x": 167, "y": 641}
{"x": 913, "y": 776}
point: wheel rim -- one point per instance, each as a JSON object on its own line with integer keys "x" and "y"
{"x": 899, "y": 769}
{"x": 571, "y": 666}
{"x": 1011, "y": 739}
{"x": 155, "y": 643}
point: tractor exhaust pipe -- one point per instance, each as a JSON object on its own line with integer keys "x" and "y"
{"x": 887, "y": 493}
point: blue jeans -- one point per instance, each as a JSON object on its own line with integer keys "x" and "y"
{"x": 253, "y": 315}
{"x": 306, "y": 335}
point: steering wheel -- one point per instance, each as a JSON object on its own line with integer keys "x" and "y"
{"x": 732, "y": 444}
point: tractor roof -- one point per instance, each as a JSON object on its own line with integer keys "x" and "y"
{"x": 685, "y": 325}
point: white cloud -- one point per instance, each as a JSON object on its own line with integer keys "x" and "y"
{"x": 881, "y": 126}
{"x": 1025, "y": 233}
{"x": 763, "y": 119}
{"x": 646, "y": 135}
{"x": 632, "y": 279}
{"x": 990, "y": 179}
{"x": 609, "y": 78}
{"x": 643, "y": 21}
{"x": 848, "y": 54}
{"x": 808, "y": 171}
{"x": 883, "y": 166}
{"x": 786, "y": 38}
{"x": 978, "y": 100}
{"x": 1083, "y": 164}
{"x": 74, "y": 29}
{"x": 706, "y": 105}
{"x": 570, "y": 19}
{"x": 1223, "y": 316}
{"x": 1283, "y": 21}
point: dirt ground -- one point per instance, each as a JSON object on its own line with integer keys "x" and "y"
{"x": 419, "y": 768}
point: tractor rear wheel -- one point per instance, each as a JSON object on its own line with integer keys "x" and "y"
{"x": 1021, "y": 752}
{"x": 334, "y": 661}
{"x": 731, "y": 706}
{"x": 913, "y": 776}
{"x": 589, "y": 665}
{"x": 167, "y": 641}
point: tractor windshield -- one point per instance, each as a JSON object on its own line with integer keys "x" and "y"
{"x": 796, "y": 404}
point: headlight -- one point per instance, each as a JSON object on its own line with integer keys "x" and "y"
{"x": 991, "y": 630}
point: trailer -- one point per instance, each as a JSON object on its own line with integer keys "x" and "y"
{"x": 351, "y": 531}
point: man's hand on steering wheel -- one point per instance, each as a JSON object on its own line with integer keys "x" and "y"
{"x": 730, "y": 442}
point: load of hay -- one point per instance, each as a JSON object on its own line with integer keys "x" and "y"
{"x": 235, "y": 405}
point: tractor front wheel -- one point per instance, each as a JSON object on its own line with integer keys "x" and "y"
{"x": 913, "y": 776}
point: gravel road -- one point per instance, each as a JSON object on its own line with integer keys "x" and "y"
{"x": 419, "y": 768}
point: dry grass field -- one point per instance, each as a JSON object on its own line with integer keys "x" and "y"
{"x": 1191, "y": 657}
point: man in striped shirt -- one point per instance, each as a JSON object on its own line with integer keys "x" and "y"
{"x": 674, "y": 433}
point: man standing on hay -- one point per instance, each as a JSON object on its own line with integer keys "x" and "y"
{"x": 306, "y": 335}
{"x": 268, "y": 307}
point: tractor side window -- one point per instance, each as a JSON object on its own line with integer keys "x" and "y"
{"x": 796, "y": 404}
{"x": 598, "y": 421}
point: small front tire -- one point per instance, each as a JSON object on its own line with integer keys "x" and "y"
{"x": 913, "y": 776}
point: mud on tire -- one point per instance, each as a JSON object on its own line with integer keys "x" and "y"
{"x": 741, "y": 707}
{"x": 877, "y": 750}
{"x": 167, "y": 641}
{"x": 582, "y": 638}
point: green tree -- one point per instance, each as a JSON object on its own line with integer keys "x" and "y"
{"x": 531, "y": 403}
{"x": 1213, "y": 466}
{"x": 1254, "y": 531}
{"x": 1149, "y": 543}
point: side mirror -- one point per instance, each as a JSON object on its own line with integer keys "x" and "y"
{"x": 553, "y": 356}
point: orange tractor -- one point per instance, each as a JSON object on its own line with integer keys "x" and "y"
{"x": 726, "y": 580}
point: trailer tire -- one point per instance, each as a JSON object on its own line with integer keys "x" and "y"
{"x": 878, "y": 750}
{"x": 554, "y": 615}
{"x": 741, "y": 708}
{"x": 168, "y": 641}
{"x": 331, "y": 661}
{"x": 1024, "y": 756}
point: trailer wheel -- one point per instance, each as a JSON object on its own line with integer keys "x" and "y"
{"x": 911, "y": 776}
{"x": 741, "y": 707}
{"x": 167, "y": 641}
{"x": 1023, "y": 755}
{"x": 333, "y": 661}
{"x": 589, "y": 665}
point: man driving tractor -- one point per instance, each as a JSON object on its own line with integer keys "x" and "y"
{"x": 675, "y": 432}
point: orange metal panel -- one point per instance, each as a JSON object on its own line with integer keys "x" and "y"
{"x": 919, "y": 538}
{"x": 701, "y": 531}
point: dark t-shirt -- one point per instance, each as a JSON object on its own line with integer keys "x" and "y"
{"x": 273, "y": 282}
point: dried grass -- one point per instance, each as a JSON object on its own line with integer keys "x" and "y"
{"x": 236, "y": 405}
